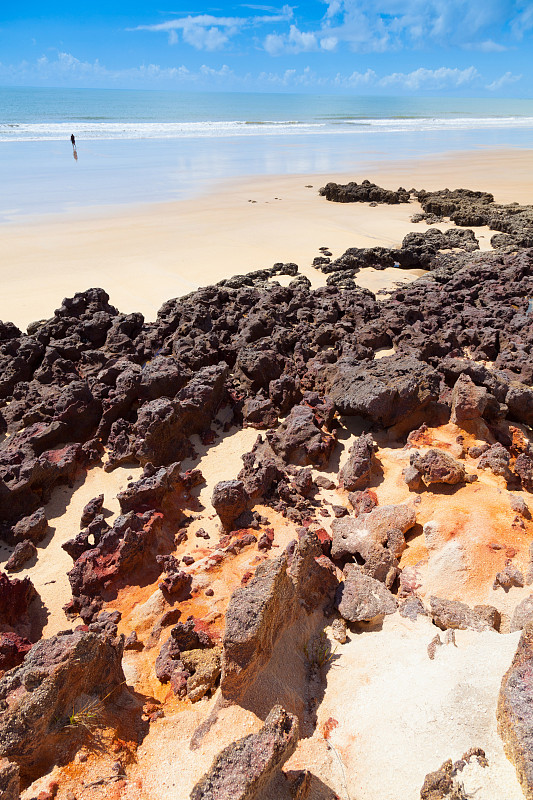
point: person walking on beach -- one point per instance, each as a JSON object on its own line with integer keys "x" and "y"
{"x": 73, "y": 140}
{"x": 74, "y": 151}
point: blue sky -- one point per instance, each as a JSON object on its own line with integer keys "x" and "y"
{"x": 417, "y": 47}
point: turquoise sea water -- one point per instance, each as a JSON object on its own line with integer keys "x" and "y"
{"x": 140, "y": 146}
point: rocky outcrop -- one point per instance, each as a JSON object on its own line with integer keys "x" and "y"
{"x": 361, "y": 598}
{"x": 116, "y": 555}
{"x": 458, "y": 616}
{"x": 164, "y": 425}
{"x": 256, "y": 615}
{"x": 385, "y": 391}
{"x": 437, "y": 466}
{"x": 91, "y": 510}
{"x": 497, "y": 459}
{"x": 243, "y": 770}
{"x": 9, "y": 780}
{"x": 58, "y": 675}
{"x": 156, "y": 486}
{"x": 281, "y": 590}
{"x": 365, "y": 192}
{"x": 15, "y": 598}
{"x": 468, "y": 400}
{"x": 229, "y": 501}
{"x": 356, "y": 472}
{"x": 301, "y": 438}
{"x": 515, "y": 702}
{"x": 377, "y": 539}
{"x": 13, "y": 648}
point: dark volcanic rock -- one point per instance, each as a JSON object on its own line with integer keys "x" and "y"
{"x": 130, "y": 545}
{"x": 437, "y": 466}
{"x": 524, "y": 469}
{"x": 355, "y": 474}
{"x": 243, "y": 770}
{"x": 164, "y": 425}
{"x": 13, "y": 649}
{"x": 57, "y": 675}
{"x": 262, "y": 469}
{"x": 497, "y": 459}
{"x": 91, "y": 510}
{"x": 468, "y": 400}
{"x": 301, "y": 439}
{"x": 33, "y": 528}
{"x": 515, "y": 704}
{"x": 21, "y": 554}
{"x": 9, "y": 780}
{"x": 385, "y": 391}
{"x": 364, "y": 192}
{"x": 229, "y": 501}
{"x": 15, "y": 598}
{"x": 150, "y": 491}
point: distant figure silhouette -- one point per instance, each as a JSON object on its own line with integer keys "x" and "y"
{"x": 73, "y": 140}
{"x": 74, "y": 151}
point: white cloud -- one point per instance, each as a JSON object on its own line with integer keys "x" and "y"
{"x": 432, "y": 78}
{"x": 329, "y": 43}
{"x": 368, "y": 78}
{"x": 504, "y": 80}
{"x": 487, "y": 46}
{"x": 370, "y": 26}
{"x": 274, "y": 44}
{"x": 208, "y": 32}
{"x": 298, "y": 41}
{"x": 523, "y": 22}
{"x": 66, "y": 70}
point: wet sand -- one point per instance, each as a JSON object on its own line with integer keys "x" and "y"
{"x": 144, "y": 255}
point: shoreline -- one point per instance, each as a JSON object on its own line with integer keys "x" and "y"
{"x": 145, "y": 254}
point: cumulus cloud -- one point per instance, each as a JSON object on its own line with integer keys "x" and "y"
{"x": 370, "y": 26}
{"x": 209, "y": 32}
{"x": 432, "y": 78}
{"x": 64, "y": 69}
{"x": 67, "y": 70}
{"x": 504, "y": 80}
{"x": 357, "y": 79}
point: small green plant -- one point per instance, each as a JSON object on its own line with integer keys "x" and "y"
{"x": 318, "y": 652}
{"x": 89, "y": 716}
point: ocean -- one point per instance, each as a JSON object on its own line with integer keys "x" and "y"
{"x": 149, "y": 146}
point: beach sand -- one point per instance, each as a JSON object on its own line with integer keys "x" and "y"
{"x": 145, "y": 255}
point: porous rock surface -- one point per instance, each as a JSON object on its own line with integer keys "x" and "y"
{"x": 243, "y": 769}
{"x": 514, "y": 711}
{"x": 38, "y": 696}
{"x": 361, "y": 598}
{"x": 281, "y": 590}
